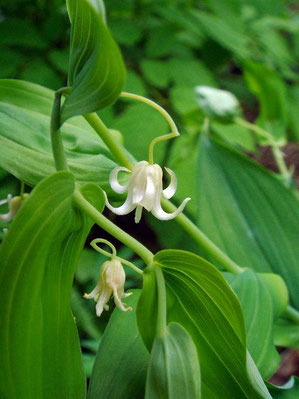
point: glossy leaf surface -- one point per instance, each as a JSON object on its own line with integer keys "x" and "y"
{"x": 97, "y": 72}
{"x": 25, "y": 147}
{"x": 120, "y": 367}
{"x": 248, "y": 213}
{"x": 263, "y": 298}
{"x": 203, "y": 303}
{"x": 38, "y": 338}
{"x": 173, "y": 370}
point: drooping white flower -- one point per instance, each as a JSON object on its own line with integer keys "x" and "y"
{"x": 14, "y": 204}
{"x": 145, "y": 189}
{"x": 111, "y": 282}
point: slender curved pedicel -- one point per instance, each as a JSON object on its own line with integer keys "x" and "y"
{"x": 145, "y": 189}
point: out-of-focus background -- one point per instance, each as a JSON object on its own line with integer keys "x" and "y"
{"x": 249, "y": 47}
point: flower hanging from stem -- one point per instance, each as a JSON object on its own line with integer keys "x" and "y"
{"x": 145, "y": 187}
{"x": 145, "y": 190}
{"x": 111, "y": 280}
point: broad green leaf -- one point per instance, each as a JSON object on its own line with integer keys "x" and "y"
{"x": 272, "y": 96}
{"x": 217, "y": 104}
{"x": 263, "y": 298}
{"x": 38, "y": 338}
{"x": 201, "y": 301}
{"x": 96, "y": 71}
{"x": 173, "y": 370}
{"x": 248, "y": 213}
{"x": 125, "y": 32}
{"x": 25, "y": 147}
{"x": 120, "y": 367}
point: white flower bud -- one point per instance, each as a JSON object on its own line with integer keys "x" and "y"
{"x": 14, "y": 204}
{"x": 111, "y": 282}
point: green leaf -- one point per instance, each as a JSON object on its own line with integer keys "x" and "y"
{"x": 25, "y": 148}
{"x": 97, "y": 71}
{"x": 286, "y": 333}
{"x": 173, "y": 370}
{"x": 217, "y": 104}
{"x": 190, "y": 72}
{"x": 20, "y": 32}
{"x": 272, "y": 96}
{"x": 120, "y": 366}
{"x": 39, "y": 72}
{"x": 286, "y": 393}
{"x": 201, "y": 301}
{"x": 155, "y": 72}
{"x": 126, "y": 32}
{"x": 228, "y": 35}
{"x": 263, "y": 298}
{"x": 248, "y": 213}
{"x": 38, "y": 338}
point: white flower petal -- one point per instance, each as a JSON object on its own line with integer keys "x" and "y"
{"x": 103, "y": 299}
{"x": 7, "y": 200}
{"x": 117, "y": 294}
{"x": 6, "y": 217}
{"x": 124, "y": 209}
{"x": 118, "y": 188}
{"x": 159, "y": 213}
{"x": 171, "y": 189}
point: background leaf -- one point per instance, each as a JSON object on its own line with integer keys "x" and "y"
{"x": 38, "y": 339}
{"x": 248, "y": 213}
{"x": 25, "y": 147}
{"x": 96, "y": 72}
{"x": 120, "y": 367}
{"x": 263, "y": 298}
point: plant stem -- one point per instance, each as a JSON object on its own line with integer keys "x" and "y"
{"x": 278, "y": 156}
{"x": 203, "y": 240}
{"x": 56, "y": 140}
{"x": 165, "y": 114}
{"x": 111, "y": 228}
{"x": 292, "y": 314}
{"x": 115, "y": 148}
{"x": 161, "y": 311}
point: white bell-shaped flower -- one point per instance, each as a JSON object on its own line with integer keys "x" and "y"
{"x": 111, "y": 282}
{"x": 14, "y": 204}
{"x": 145, "y": 189}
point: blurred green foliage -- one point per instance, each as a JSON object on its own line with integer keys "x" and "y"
{"x": 248, "y": 47}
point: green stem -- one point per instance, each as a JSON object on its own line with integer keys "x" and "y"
{"x": 165, "y": 114}
{"x": 204, "y": 242}
{"x": 56, "y": 140}
{"x": 292, "y": 314}
{"x": 114, "y": 147}
{"x": 22, "y": 190}
{"x": 278, "y": 156}
{"x": 162, "y": 310}
{"x": 112, "y": 229}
